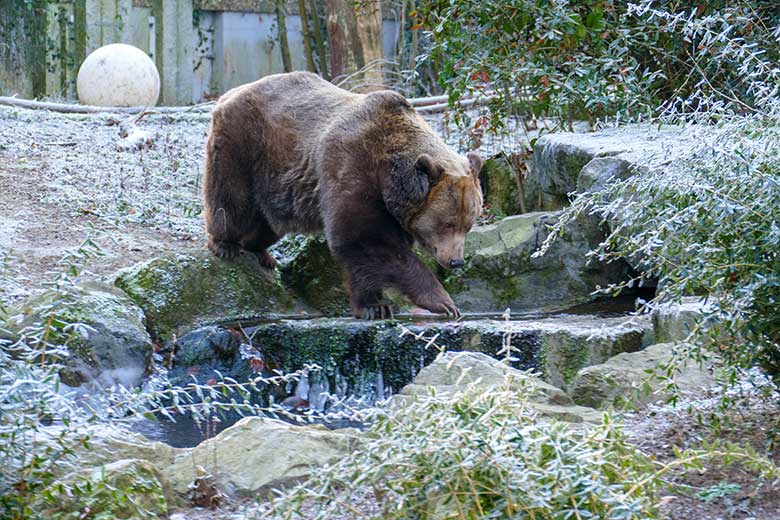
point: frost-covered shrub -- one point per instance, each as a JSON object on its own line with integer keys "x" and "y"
{"x": 707, "y": 222}
{"x": 484, "y": 453}
{"x": 479, "y": 455}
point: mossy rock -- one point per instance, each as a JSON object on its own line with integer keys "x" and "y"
{"x": 500, "y": 187}
{"x": 501, "y": 271}
{"x": 632, "y": 379}
{"x": 130, "y": 489}
{"x": 103, "y": 330}
{"x": 181, "y": 292}
{"x": 311, "y": 273}
{"x": 309, "y": 270}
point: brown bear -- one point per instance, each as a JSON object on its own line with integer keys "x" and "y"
{"x": 292, "y": 153}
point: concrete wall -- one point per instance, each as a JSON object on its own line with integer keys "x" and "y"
{"x": 221, "y": 50}
{"x": 240, "y": 47}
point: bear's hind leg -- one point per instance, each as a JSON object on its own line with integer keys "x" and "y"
{"x": 258, "y": 241}
{"x": 368, "y": 304}
{"x": 223, "y": 248}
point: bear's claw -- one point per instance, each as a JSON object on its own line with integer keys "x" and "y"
{"x": 266, "y": 259}
{"x": 379, "y": 311}
{"x": 226, "y": 250}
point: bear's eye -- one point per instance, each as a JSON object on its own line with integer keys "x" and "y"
{"x": 449, "y": 225}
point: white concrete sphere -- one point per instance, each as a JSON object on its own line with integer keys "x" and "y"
{"x": 118, "y": 75}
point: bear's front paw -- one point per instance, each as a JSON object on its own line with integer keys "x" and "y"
{"x": 226, "y": 250}
{"x": 441, "y": 304}
{"x": 376, "y": 311}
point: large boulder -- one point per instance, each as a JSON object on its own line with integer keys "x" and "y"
{"x": 675, "y": 321}
{"x": 560, "y": 159}
{"x": 601, "y": 171}
{"x": 253, "y": 455}
{"x": 632, "y": 379}
{"x": 180, "y": 292}
{"x": 201, "y": 353}
{"x": 501, "y": 272}
{"x": 453, "y": 372}
{"x": 256, "y": 455}
{"x": 102, "y": 329}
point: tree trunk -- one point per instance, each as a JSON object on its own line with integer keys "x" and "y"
{"x": 319, "y": 38}
{"x": 284, "y": 46}
{"x": 400, "y": 46}
{"x": 369, "y": 30}
{"x": 341, "y": 25}
{"x": 306, "y": 36}
{"x": 355, "y": 37}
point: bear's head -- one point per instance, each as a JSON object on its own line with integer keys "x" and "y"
{"x": 437, "y": 202}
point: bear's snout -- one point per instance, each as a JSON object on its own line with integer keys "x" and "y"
{"x": 456, "y": 262}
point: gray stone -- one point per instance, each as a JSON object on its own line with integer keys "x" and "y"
{"x": 453, "y": 372}
{"x": 108, "y": 345}
{"x": 180, "y": 292}
{"x": 257, "y": 454}
{"x": 560, "y": 159}
{"x": 600, "y": 171}
{"x": 630, "y": 379}
{"x": 675, "y": 321}
{"x": 501, "y": 272}
{"x": 203, "y": 352}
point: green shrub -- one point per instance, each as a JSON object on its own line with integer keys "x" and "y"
{"x": 586, "y": 59}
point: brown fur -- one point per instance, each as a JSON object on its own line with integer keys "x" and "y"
{"x": 294, "y": 153}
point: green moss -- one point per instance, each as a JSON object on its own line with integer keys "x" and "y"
{"x": 314, "y": 276}
{"x": 180, "y": 292}
{"x": 563, "y": 355}
{"x": 500, "y": 187}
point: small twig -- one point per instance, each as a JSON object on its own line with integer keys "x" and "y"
{"x": 63, "y": 143}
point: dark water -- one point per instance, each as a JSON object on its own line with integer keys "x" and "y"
{"x": 186, "y": 432}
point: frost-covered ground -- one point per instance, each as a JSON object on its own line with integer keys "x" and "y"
{"x": 744, "y": 414}
{"x": 65, "y": 179}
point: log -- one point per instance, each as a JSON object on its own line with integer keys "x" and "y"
{"x": 90, "y": 109}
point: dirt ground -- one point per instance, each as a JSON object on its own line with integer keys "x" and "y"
{"x": 746, "y": 415}
{"x": 65, "y": 179}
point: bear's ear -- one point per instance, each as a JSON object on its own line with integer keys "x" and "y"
{"x": 424, "y": 165}
{"x": 475, "y": 163}
{"x": 409, "y": 185}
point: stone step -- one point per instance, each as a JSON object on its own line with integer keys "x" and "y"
{"x": 376, "y": 359}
